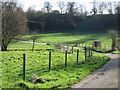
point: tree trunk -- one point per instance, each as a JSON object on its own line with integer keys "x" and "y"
{"x": 4, "y": 48}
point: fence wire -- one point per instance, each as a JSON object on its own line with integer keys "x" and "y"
{"x": 36, "y": 63}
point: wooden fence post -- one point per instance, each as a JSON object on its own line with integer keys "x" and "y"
{"x": 77, "y": 56}
{"x": 24, "y": 67}
{"x": 91, "y": 52}
{"x": 49, "y": 60}
{"x": 85, "y": 53}
{"x": 66, "y": 58}
{"x": 72, "y": 49}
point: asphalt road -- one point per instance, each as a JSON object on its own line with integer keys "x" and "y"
{"x": 105, "y": 77}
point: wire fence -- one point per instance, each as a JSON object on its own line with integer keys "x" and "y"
{"x": 18, "y": 67}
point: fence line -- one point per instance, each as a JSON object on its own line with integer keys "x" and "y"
{"x": 26, "y": 70}
{"x": 36, "y": 69}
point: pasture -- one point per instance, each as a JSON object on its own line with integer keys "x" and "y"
{"x": 69, "y": 39}
{"x": 37, "y": 62}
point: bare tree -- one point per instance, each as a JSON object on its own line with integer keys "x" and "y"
{"x": 78, "y": 9}
{"x": 118, "y": 8}
{"x": 30, "y": 12}
{"x": 0, "y": 25}
{"x": 109, "y": 5}
{"x": 14, "y": 23}
{"x": 70, "y": 7}
{"x": 61, "y": 5}
{"x": 34, "y": 37}
{"x": 94, "y": 7}
{"x": 114, "y": 7}
{"x": 47, "y": 6}
{"x": 102, "y": 7}
{"x": 81, "y": 8}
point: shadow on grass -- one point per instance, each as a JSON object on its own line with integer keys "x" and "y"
{"x": 103, "y": 51}
{"x": 81, "y": 40}
{"x": 63, "y": 34}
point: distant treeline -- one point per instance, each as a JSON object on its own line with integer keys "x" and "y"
{"x": 99, "y": 23}
{"x": 73, "y": 16}
{"x": 54, "y": 22}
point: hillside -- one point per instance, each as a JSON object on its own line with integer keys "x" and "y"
{"x": 65, "y": 22}
{"x": 98, "y": 23}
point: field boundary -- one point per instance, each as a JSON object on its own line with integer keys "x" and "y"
{"x": 87, "y": 55}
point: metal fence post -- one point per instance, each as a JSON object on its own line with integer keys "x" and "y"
{"x": 49, "y": 60}
{"x": 89, "y": 51}
{"x": 77, "y": 56}
{"x": 24, "y": 67}
{"x": 72, "y": 49}
{"x": 85, "y": 53}
{"x": 66, "y": 58}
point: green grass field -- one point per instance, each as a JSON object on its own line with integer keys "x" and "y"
{"x": 37, "y": 61}
{"x": 72, "y": 37}
{"x": 65, "y": 39}
{"x": 25, "y": 46}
